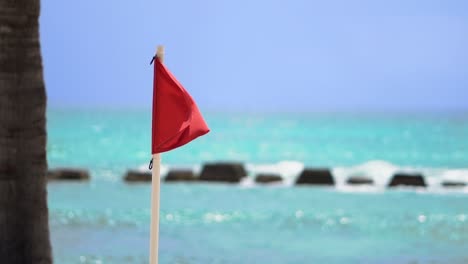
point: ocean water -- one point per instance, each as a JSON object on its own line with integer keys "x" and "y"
{"x": 107, "y": 221}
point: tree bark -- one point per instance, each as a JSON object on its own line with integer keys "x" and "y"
{"x": 24, "y": 227}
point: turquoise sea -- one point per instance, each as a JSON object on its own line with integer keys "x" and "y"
{"x": 107, "y": 221}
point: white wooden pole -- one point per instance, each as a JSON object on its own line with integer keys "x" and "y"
{"x": 155, "y": 193}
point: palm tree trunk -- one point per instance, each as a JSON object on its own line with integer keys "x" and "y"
{"x": 24, "y": 230}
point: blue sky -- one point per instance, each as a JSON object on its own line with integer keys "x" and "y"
{"x": 296, "y": 55}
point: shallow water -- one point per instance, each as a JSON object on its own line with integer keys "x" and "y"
{"x": 211, "y": 223}
{"x": 107, "y": 221}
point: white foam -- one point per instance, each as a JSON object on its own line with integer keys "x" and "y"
{"x": 247, "y": 182}
{"x": 455, "y": 175}
{"x": 377, "y": 170}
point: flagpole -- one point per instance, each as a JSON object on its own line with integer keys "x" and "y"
{"x": 155, "y": 193}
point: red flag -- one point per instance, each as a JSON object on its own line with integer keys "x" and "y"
{"x": 176, "y": 118}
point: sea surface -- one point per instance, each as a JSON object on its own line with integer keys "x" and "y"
{"x": 107, "y": 221}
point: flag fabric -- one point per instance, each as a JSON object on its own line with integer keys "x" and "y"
{"x": 176, "y": 118}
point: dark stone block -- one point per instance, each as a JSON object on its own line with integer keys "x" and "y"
{"x": 137, "y": 176}
{"x": 68, "y": 174}
{"x": 268, "y": 178}
{"x": 406, "y": 179}
{"x": 359, "y": 180}
{"x": 454, "y": 184}
{"x": 316, "y": 177}
{"x": 180, "y": 175}
{"x": 223, "y": 172}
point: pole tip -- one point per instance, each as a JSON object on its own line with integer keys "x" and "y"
{"x": 160, "y": 51}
